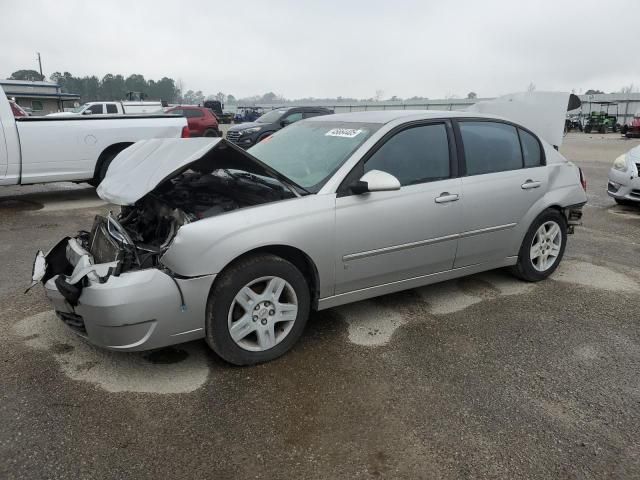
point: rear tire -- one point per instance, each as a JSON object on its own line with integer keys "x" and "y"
{"x": 257, "y": 310}
{"x": 210, "y": 133}
{"x": 543, "y": 247}
{"x": 104, "y": 166}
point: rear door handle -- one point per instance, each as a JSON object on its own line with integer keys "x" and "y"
{"x": 447, "y": 197}
{"x": 529, "y": 184}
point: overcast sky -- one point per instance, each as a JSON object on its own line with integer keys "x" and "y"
{"x": 329, "y": 48}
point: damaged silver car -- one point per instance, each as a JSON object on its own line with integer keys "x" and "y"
{"x": 238, "y": 246}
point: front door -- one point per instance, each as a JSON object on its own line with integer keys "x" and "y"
{"x": 384, "y": 237}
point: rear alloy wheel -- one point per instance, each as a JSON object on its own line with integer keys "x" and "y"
{"x": 257, "y": 310}
{"x": 543, "y": 247}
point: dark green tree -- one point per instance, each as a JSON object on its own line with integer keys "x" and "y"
{"x": 31, "y": 75}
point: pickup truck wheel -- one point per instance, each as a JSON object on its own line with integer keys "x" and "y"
{"x": 210, "y": 133}
{"x": 543, "y": 247}
{"x": 257, "y": 310}
{"x": 104, "y": 166}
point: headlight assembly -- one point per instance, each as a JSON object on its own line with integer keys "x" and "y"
{"x": 250, "y": 130}
{"x": 620, "y": 163}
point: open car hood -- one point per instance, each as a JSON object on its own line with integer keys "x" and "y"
{"x": 541, "y": 112}
{"x": 140, "y": 168}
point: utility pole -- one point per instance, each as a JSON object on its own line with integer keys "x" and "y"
{"x": 40, "y": 63}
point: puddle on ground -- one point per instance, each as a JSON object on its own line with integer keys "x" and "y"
{"x": 169, "y": 370}
{"x": 370, "y": 324}
{"x": 373, "y": 325}
{"x": 166, "y": 356}
{"x": 594, "y": 276}
{"x": 13, "y": 204}
{"x": 629, "y": 211}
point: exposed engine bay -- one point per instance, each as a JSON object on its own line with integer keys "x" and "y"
{"x": 141, "y": 232}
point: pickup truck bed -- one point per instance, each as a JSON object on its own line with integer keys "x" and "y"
{"x": 72, "y": 148}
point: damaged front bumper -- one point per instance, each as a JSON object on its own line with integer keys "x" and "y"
{"x": 131, "y": 311}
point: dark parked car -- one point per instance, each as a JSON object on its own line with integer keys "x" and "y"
{"x": 202, "y": 122}
{"x": 248, "y": 134}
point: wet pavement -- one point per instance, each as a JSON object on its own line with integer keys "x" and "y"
{"x": 484, "y": 376}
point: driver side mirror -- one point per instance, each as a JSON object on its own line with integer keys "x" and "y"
{"x": 87, "y": 112}
{"x": 375, "y": 181}
{"x": 284, "y": 123}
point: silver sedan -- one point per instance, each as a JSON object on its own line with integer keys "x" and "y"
{"x": 237, "y": 247}
{"x": 624, "y": 178}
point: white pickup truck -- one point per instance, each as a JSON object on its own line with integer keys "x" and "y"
{"x": 73, "y": 148}
{"x": 113, "y": 108}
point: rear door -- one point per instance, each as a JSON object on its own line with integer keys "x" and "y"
{"x": 504, "y": 177}
{"x": 384, "y": 237}
{"x": 112, "y": 108}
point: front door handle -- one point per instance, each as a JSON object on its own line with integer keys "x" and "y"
{"x": 447, "y": 197}
{"x": 529, "y": 184}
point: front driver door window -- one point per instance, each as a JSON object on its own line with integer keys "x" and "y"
{"x": 96, "y": 109}
{"x": 387, "y": 237}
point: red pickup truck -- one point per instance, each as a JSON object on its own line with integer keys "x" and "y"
{"x": 202, "y": 122}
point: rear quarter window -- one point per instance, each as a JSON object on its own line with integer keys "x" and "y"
{"x": 530, "y": 149}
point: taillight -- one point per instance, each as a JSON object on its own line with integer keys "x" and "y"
{"x": 583, "y": 181}
{"x": 185, "y": 132}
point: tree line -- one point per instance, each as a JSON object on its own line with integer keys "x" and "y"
{"x": 114, "y": 86}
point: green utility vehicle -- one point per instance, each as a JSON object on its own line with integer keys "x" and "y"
{"x": 604, "y": 120}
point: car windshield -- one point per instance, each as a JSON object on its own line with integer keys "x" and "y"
{"x": 271, "y": 116}
{"x": 309, "y": 152}
{"x": 80, "y": 108}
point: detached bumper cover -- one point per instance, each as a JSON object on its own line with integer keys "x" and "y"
{"x": 136, "y": 310}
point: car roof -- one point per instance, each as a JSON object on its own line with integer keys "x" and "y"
{"x": 386, "y": 116}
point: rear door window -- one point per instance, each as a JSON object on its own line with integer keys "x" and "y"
{"x": 193, "y": 113}
{"x": 490, "y": 147}
{"x": 415, "y": 155}
{"x": 530, "y": 149}
{"x": 111, "y": 108}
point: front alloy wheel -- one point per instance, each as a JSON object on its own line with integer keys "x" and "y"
{"x": 262, "y": 314}
{"x": 257, "y": 309}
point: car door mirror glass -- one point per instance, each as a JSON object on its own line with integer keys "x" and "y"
{"x": 375, "y": 181}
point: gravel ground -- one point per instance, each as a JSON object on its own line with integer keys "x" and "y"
{"x": 483, "y": 377}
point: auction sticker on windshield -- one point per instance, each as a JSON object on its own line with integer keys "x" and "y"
{"x": 343, "y": 132}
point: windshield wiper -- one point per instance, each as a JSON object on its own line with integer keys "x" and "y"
{"x": 257, "y": 179}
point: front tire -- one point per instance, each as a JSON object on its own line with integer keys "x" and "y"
{"x": 543, "y": 247}
{"x": 257, "y": 310}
